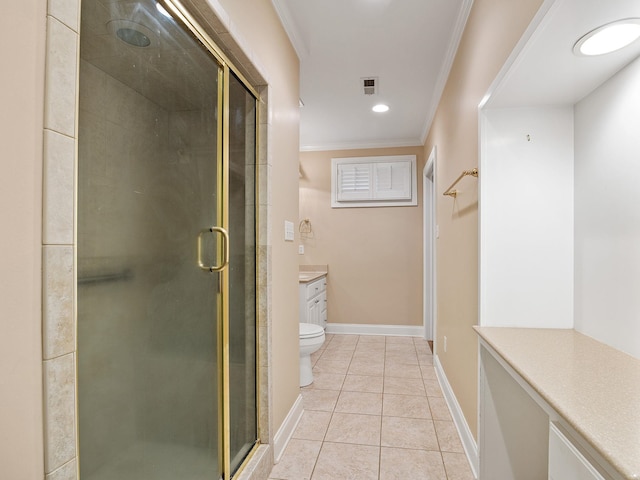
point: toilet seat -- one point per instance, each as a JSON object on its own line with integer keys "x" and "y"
{"x": 310, "y": 330}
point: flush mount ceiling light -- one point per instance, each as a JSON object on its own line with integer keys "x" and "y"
{"x": 380, "y": 108}
{"x": 608, "y": 38}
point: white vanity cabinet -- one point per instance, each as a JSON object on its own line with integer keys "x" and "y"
{"x": 313, "y": 301}
{"x": 565, "y": 460}
{"x": 556, "y": 404}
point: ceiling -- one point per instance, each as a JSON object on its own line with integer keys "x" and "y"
{"x": 546, "y": 72}
{"x": 407, "y": 44}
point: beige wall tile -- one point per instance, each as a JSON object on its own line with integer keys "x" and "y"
{"x": 68, "y": 471}
{"x": 264, "y": 185}
{"x": 59, "y": 176}
{"x": 60, "y": 89}
{"x": 58, "y": 320}
{"x": 67, "y": 11}
{"x": 59, "y": 428}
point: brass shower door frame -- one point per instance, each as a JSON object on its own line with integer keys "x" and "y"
{"x": 180, "y": 13}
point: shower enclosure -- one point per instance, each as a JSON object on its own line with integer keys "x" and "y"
{"x": 166, "y": 249}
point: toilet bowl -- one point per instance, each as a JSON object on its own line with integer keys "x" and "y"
{"x": 311, "y": 339}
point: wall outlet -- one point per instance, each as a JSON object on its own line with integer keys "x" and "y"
{"x": 300, "y": 249}
{"x": 444, "y": 344}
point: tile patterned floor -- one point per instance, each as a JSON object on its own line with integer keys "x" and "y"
{"x": 375, "y": 411}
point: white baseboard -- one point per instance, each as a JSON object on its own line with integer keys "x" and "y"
{"x": 468, "y": 442}
{"x": 283, "y": 435}
{"x": 365, "y": 329}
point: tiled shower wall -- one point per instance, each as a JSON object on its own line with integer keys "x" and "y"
{"x": 59, "y": 242}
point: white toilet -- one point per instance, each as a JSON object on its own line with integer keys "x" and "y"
{"x": 311, "y": 339}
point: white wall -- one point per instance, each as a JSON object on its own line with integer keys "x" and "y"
{"x": 526, "y": 220}
{"x": 607, "y": 213}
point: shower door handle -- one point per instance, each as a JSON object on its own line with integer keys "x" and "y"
{"x": 225, "y": 249}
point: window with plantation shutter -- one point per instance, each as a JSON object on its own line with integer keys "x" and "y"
{"x": 373, "y": 181}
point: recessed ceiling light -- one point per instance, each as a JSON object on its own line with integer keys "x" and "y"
{"x": 608, "y": 38}
{"x": 380, "y": 108}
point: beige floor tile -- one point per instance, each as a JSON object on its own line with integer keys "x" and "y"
{"x": 425, "y": 359}
{"x": 313, "y": 425}
{"x": 432, "y": 388}
{"x": 347, "y": 462}
{"x": 439, "y": 408}
{"x": 359, "y": 402}
{"x": 343, "y": 341}
{"x": 377, "y": 339}
{"x": 350, "y": 429}
{"x": 403, "y": 358}
{"x": 332, "y": 366}
{"x": 405, "y": 406}
{"x": 405, "y": 464}
{"x": 448, "y": 438}
{"x": 326, "y": 381}
{"x": 297, "y": 461}
{"x": 354, "y": 428}
{"x": 428, "y": 372}
{"x": 404, "y": 386}
{"x": 391, "y": 340}
{"x": 457, "y": 466}
{"x": 362, "y": 383}
{"x": 401, "y": 370}
{"x": 362, "y": 367}
{"x": 316, "y": 399}
{"x": 360, "y": 356}
{"x": 370, "y": 351}
{"x": 409, "y": 433}
{"x": 341, "y": 355}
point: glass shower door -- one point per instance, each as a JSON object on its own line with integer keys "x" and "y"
{"x": 149, "y": 190}
{"x": 242, "y": 272}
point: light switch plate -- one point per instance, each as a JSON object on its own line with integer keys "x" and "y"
{"x": 288, "y": 231}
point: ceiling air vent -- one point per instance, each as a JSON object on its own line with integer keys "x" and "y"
{"x": 370, "y": 85}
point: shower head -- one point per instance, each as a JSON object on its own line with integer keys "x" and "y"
{"x": 132, "y": 33}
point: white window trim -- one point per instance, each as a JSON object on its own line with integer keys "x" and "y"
{"x": 372, "y": 201}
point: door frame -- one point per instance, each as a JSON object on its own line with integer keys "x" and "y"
{"x": 429, "y": 236}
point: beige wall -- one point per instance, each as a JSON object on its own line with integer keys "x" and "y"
{"x": 258, "y": 24}
{"x": 21, "y": 97}
{"x": 493, "y": 28}
{"x": 374, "y": 254}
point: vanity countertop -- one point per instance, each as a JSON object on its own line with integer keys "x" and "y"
{"x": 309, "y": 273}
{"x": 306, "y": 277}
{"x": 594, "y": 387}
